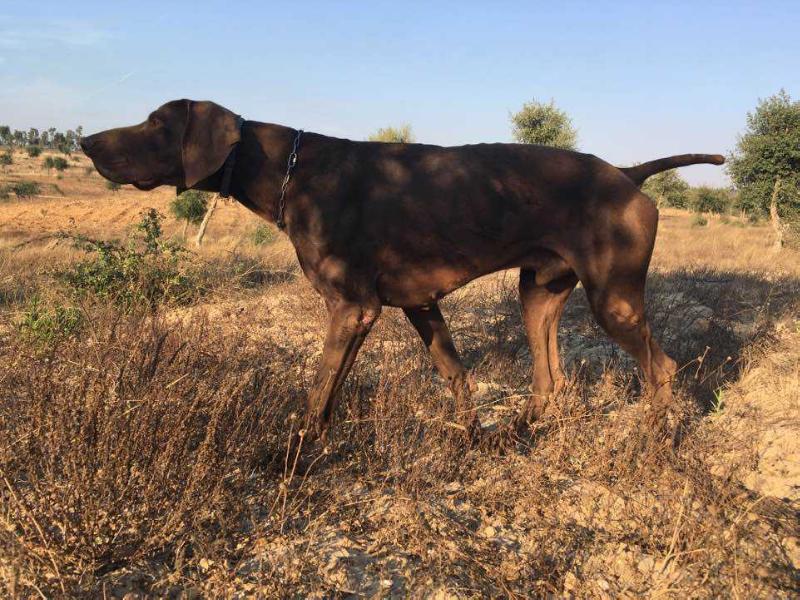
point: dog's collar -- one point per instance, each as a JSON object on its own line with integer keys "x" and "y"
{"x": 230, "y": 162}
{"x": 290, "y": 164}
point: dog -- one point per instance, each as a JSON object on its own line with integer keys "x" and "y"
{"x": 378, "y": 224}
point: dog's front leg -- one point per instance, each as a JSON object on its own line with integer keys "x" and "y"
{"x": 348, "y": 327}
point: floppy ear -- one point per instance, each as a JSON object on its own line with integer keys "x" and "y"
{"x": 211, "y": 131}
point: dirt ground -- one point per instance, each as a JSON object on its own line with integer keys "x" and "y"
{"x": 148, "y": 454}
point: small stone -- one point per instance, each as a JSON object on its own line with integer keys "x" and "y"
{"x": 646, "y": 565}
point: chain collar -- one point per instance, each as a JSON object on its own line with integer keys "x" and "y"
{"x": 290, "y": 164}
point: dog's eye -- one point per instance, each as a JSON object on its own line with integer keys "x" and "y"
{"x": 154, "y": 121}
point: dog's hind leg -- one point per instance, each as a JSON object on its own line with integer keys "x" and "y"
{"x": 431, "y": 326}
{"x": 349, "y": 325}
{"x": 543, "y": 300}
{"x": 613, "y": 274}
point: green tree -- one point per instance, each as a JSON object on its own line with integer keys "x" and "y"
{"x": 190, "y": 207}
{"x": 709, "y": 199}
{"x": 545, "y": 124}
{"x": 394, "y": 135}
{"x": 5, "y": 135}
{"x": 33, "y": 151}
{"x": 765, "y": 166}
{"x": 667, "y": 189}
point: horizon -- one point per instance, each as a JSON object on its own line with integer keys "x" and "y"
{"x": 629, "y": 79}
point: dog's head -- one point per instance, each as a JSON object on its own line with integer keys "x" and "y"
{"x": 181, "y": 143}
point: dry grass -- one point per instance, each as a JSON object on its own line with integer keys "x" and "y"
{"x": 147, "y": 452}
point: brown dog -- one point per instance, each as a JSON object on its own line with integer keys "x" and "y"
{"x": 378, "y": 224}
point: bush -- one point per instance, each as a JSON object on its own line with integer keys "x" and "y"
{"x": 146, "y": 272}
{"x": 394, "y": 135}
{"x": 45, "y": 326}
{"x": 113, "y": 186}
{"x": 25, "y": 189}
{"x": 190, "y": 206}
{"x": 59, "y": 163}
{"x": 667, "y": 189}
{"x": 6, "y": 158}
{"x": 708, "y": 199}
{"x": 262, "y": 235}
{"x": 699, "y": 221}
{"x": 33, "y": 151}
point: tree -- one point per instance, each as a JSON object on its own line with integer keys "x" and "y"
{"x": 765, "y": 166}
{"x": 5, "y": 135}
{"x": 398, "y": 135}
{"x": 667, "y": 189}
{"x": 709, "y": 199}
{"x": 545, "y": 124}
{"x": 189, "y": 207}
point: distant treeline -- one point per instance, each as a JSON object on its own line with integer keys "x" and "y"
{"x": 64, "y": 141}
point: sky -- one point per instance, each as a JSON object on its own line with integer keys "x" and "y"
{"x": 639, "y": 80}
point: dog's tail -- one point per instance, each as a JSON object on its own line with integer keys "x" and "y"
{"x": 641, "y": 172}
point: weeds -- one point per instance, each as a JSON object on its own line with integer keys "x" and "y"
{"x": 262, "y": 235}
{"x": 146, "y": 272}
{"x": 45, "y": 326}
{"x": 24, "y": 189}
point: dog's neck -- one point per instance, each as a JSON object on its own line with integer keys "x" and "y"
{"x": 259, "y": 169}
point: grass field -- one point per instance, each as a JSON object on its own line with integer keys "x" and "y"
{"x": 144, "y": 449}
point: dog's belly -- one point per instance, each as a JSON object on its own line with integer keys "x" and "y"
{"x": 423, "y": 283}
{"x": 420, "y": 287}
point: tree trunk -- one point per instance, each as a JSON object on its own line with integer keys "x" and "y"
{"x": 202, "y": 231}
{"x": 185, "y": 227}
{"x": 775, "y": 217}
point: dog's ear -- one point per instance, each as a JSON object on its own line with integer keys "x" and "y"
{"x": 211, "y": 131}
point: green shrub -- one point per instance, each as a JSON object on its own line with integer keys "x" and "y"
{"x": 47, "y": 325}
{"x": 6, "y": 158}
{"x": 262, "y": 235}
{"x": 113, "y": 186}
{"x": 708, "y": 199}
{"x": 59, "y": 163}
{"x": 190, "y": 206}
{"x": 25, "y": 189}
{"x": 145, "y": 272}
{"x": 699, "y": 220}
{"x": 33, "y": 151}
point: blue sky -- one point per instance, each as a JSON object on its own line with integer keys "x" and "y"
{"x": 640, "y": 80}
